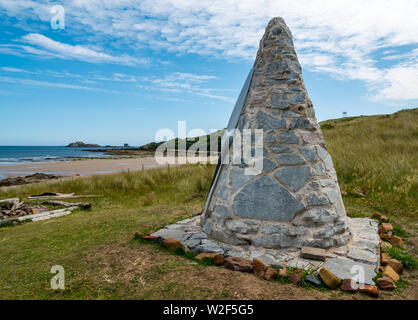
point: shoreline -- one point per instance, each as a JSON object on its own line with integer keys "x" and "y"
{"x": 78, "y": 166}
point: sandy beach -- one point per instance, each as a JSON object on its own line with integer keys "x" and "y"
{"x": 78, "y": 167}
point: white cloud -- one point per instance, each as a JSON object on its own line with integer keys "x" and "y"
{"x": 10, "y": 69}
{"x": 77, "y": 52}
{"x": 178, "y": 82}
{"x": 335, "y": 37}
{"x": 46, "y": 84}
{"x": 43, "y": 83}
{"x": 400, "y": 84}
{"x": 175, "y": 83}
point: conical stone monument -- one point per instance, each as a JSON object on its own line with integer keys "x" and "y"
{"x": 294, "y": 203}
{"x": 296, "y": 200}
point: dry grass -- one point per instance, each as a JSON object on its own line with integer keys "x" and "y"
{"x": 102, "y": 261}
{"x": 379, "y": 153}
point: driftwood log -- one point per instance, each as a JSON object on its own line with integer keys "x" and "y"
{"x": 83, "y": 205}
{"x": 40, "y": 216}
{"x": 55, "y": 196}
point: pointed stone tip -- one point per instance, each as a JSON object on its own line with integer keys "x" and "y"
{"x": 277, "y": 29}
{"x": 276, "y": 21}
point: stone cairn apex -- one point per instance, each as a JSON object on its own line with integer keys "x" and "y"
{"x": 296, "y": 200}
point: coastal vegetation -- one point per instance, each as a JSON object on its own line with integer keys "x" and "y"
{"x": 150, "y": 148}
{"x": 80, "y": 144}
{"x": 376, "y": 161}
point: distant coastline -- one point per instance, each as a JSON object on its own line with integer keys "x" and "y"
{"x": 81, "y": 144}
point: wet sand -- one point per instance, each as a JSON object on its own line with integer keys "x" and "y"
{"x": 78, "y": 167}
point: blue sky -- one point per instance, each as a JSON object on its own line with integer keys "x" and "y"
{"x": 121, "y": 70}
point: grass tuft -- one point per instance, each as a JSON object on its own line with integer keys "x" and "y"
{"x": 399, "y": 231}
{"x": 408, "y": 260}
{"x": 376, "y": 154}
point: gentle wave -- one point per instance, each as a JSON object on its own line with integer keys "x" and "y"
{"x": 13, "y": 154}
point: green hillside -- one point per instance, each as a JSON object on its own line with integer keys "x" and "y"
{"x": 376, "y": 161}
{"x": 196, "y": 142}
{"x": 378, "y": 154}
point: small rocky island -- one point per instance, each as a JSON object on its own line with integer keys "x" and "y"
{"x": 80, "y": 144}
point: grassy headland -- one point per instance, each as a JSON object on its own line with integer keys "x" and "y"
{"x": 376, "y": 159}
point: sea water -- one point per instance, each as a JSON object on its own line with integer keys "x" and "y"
{"x": 28, "y": 154}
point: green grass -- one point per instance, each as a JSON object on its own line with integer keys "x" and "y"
{"x": 400, "y": 232}
{"x": 378, "y": 153}
{"x": 172, "y": 185}
{"x": 102, "y": 261}
{"x": 408, "y": 260}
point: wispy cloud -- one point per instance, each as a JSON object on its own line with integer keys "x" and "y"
{"x": 15, "y": 70}
{"x": 49, "y": 84}
{"x": 178, "y": 82}
{"x": 46, "y": 84}
{"x": 38, "y": 44}
{"x": 174, "y": 83}
{"x": 399, "y": 83}
{"x": 339, "y": 38}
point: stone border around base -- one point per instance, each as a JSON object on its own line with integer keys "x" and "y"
{"x": 361, "y": 253}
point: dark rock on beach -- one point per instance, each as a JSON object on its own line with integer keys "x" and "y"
{"x": 37, "y": 177}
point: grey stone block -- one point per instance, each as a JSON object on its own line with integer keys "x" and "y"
{"x": 324, "y": 232}
{"x": 208, "y": 246}
{"x": 269, "y": 165}
{"x": 198, "y": 236}
{"x": 238, "y": 178}
{"x": 314, "y": 280}
{"x": 280, "y": 149}
{"x": 192, "y": 243}
{"x": 288, "y": 137}
{"x": 271, "y": 228}
{"x": 280, "y": 101}
{"x": 221, "y": 212}
{"x": 294, "y": 177}
{"x": 313, "y": 253}
{"x": 269, "y": 138}
{"x": 273, "y": 241}
{"x": 327, "y": 183}
{"x": 343, "y": 267}
{"x": 172, "y": 233}
{"x": 268, "y": 122}
{"x": 332, "y": 195}
{"x": 242, "y": 226}
{"x": 309, "y": 153}
{"x": 301, "y": 123}
{"x": 363, "y": 256}
{"x": 298, "y": 98}
{"x": 264, "y": 198}
{"x": 290, "y": 114}
{"x": 313, "y": 200}
{"x": 320, "y": 215}
{"x": 289, "y": 158}
{"x": 319, "y": 170}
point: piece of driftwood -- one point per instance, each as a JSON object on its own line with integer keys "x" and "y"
{"x": 52, "y": 195}
{"x": 54, "y": 215}
{"x": 83, "y": 205}
{"x": 61, "y": 196}
{"x": 12, "y": 200}
{"x": 36, "y": 217}
{"x": 44, "y": 214}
